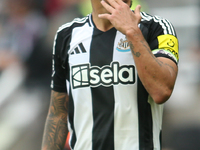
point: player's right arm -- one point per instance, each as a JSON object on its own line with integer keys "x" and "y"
{"x": 55, "y": 131}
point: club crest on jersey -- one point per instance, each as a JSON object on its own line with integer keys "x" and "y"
{"x": 85, "y": 75}
{"x": 123, "y": 46}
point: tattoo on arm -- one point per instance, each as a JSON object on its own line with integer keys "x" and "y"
{"x": 137, "y": 54}
{"x": 148, "y": 49}
{"x": 56, "y": 124}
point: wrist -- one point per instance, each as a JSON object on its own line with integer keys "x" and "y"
{"x": 133, "y": 33}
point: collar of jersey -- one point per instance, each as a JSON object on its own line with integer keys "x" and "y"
{"x": 92, "y": 24}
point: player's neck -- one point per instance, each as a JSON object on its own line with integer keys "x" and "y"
{"x": 101, "y": 24}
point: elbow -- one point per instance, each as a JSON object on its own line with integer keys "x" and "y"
{"x": 162, "y": 96}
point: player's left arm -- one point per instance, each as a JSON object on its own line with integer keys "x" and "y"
{"x": 157, "y": 74}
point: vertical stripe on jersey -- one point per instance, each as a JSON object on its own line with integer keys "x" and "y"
{"x": 157, "y": 111}
{"x": 102, "y": 97}
{"x": 71, "y": 120}
{"x": 160, "y": 137}
{"x": 145, "y": 119}
{"x": 82, "y": 100}
{"x": 126, "y": 113}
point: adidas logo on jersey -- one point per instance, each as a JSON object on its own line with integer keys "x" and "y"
{"x": 85, "y": 75}
{"x": 79, "y": 49}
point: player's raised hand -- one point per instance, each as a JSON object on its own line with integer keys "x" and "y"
{"x": 121, "y": 16}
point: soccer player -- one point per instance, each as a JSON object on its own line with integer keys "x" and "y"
{"x": 112, "y": 72}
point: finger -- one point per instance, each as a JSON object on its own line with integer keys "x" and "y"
{"x": 104, "y": 16}
{"x": 137, "y": 12}
{"x": 113, "y": 3}
{"x": 137, "y": 9}
{"x": 107, "y": 6}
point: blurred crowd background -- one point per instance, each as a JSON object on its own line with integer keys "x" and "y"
{"x": 27, "y": 29}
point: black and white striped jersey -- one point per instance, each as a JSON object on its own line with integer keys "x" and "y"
{"x": 109, "y": 109}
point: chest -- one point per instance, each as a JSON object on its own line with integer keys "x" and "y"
{"x": 98, "y": 58}
{"x": 99, "y": 48}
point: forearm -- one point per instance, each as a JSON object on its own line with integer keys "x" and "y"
{"x": 55, "y": 134}
{"x": 157, "y": 76}
{"x": 55, "y": 131}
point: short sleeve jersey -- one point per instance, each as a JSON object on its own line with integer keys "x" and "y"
{"x": 109, "y": 108}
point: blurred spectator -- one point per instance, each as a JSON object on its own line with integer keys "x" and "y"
{"x": 21, "y": 29}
